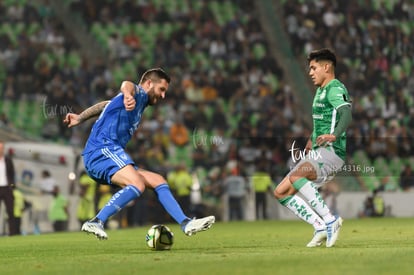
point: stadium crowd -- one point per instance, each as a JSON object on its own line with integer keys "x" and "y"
{"x": 236, "y": 89}
{"x": 228, "y": 97}
{"x": 374, "y": 40}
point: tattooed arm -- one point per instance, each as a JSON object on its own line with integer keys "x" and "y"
{"x": 72, "y": 119}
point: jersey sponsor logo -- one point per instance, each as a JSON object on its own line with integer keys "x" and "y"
{"x": 320, "y": 105}
{"x": 315, "y": 116}
{"x": 322, "y": 95}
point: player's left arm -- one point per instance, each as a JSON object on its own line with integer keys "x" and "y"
{"x": 340, "y": 101}
{"x": 128, "y": 90}
{"x": 345, "y": 118}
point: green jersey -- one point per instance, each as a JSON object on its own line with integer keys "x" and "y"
{"x": 326, "y": 102}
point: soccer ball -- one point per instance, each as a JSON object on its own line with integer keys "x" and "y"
{"x": 159, "y": 237}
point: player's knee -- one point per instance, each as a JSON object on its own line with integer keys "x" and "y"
{"x": 280, "y": 191}
{"x": 293, "y": 178}
{"x": 158, "y": 180}
{"x": 278, "y": 195}
{"x": 304, "y": 171}
{"x": 284, "y": 188}
{"x": 139, "y": 185}
{"x": 151, "y": 179}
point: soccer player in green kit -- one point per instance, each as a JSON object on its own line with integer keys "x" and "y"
{"x": 331, "y": 112}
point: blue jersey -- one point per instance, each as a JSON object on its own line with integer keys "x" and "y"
{"x": 115, "y": 125}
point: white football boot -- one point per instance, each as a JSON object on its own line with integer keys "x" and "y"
{"x": 333, "y": 229}
{"x": 196, "y": 225}
{"x": 95, "y": 228}
{"x": 318, "y": 238}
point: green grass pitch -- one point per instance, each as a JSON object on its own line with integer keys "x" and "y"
{"x": 365, "y": 246}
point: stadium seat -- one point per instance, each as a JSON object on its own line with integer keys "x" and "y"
{"x": 111, "y": 28}
{"x": 96, "y": 28}
{"x": 370, "y": 182}
{"x": 396, "y": 165}
{"x": 139, "y": 28}
{"x": 396, "y": 72}
{"x": 73, "y": 59}
{"x": 259, "y": 50}
{"x": 407, "y": 65}
{"x": 349, "y": 184}
{"x": 360, "y": 158}
{"x": 33, "y": 28}
{"x": 272, "y": 80}
{"x": 228, "y": 11}
{"x": 381, "y": 167}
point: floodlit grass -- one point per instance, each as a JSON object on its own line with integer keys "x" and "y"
{"x": 366, "y": 246}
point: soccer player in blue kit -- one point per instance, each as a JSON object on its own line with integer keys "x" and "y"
{"x": 107, "y": 162}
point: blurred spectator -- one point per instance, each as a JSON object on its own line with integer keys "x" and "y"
{"x": 181, "y": 181}
{"x": 87, "y": 198}
{"x": 58, "y": 211}
{"x": 155, "y": 157}
{"x": 262, "y": 184}
{"x": 25, "y": 72}
{"x": 7, "y": 183}
{"x": 137, "y": 213}
{"x": 213, "y": 188}
{"x": 132, "y": 40}
{"x": 20, "y": 205}
{"x": 388, "y": 184}
{"x": 407, "y": 178}
{"x": 4, "y": 121}
{"x": 374, "y": 206}
{"x": 199, "y": 157}
{"x": 10, "y": 91}
{"x": 219, "y": 118}
{"x": 179, "y": 134}
{"x": 180, "y": 138}
{"x": 236, "y": 187}
{"x": 161, "y": 138}
{"x": 104, "y": 195}
{"x": 47, "y": 183}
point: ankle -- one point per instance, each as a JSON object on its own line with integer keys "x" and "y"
{"x": 184, "y": 223}
{"x": 96, "y": 219}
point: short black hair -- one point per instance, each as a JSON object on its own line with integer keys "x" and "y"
{"x": 322, "y": 54}
{"x": 155, "y": 74}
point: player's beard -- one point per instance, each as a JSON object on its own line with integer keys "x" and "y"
{"x": 152, "y": 98}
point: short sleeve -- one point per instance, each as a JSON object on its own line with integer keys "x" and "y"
{"x": 338, "y": 96}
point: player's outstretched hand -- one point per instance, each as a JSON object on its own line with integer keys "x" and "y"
{"x": 71, "y": 120}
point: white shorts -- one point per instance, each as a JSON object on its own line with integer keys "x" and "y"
{"x": 325, "y": 162}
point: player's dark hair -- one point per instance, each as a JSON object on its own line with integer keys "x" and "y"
{"x": 155, "y": 74}
{"x": 322, "y": 54}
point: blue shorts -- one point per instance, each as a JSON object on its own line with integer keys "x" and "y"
{"x": 102, "y": 163}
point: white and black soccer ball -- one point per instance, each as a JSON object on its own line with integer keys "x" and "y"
{"x": 159, "y": 237}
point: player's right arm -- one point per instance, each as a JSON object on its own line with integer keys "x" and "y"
{"x": 72, "y": 119}
{"x": 128, "y": 90}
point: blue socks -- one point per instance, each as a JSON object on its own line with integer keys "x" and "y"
{"x": 170, "y": 204}
{"x": 118, "y": 201}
